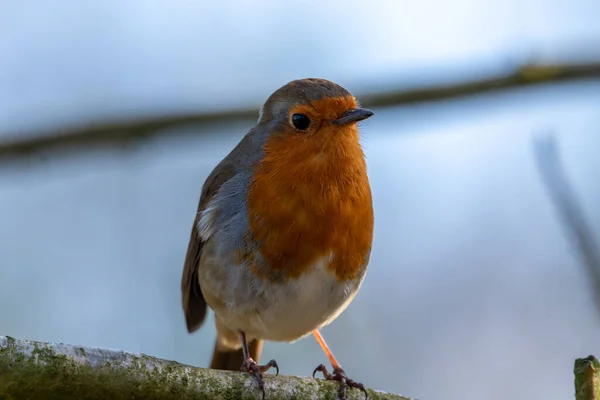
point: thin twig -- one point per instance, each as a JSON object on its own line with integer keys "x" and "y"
{"x": 569, "y": 210}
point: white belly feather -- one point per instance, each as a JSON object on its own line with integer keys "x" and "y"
{"x": 276, "y": 311}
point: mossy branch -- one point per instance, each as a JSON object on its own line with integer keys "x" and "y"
{"x": 36, "y": 370}
{"x": 586, "y": 378}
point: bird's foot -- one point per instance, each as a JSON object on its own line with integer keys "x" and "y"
{"x": 340, "y": 376}
{"x": 257, "y": 370}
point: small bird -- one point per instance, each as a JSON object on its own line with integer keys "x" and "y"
{"x": 283, "y": 233}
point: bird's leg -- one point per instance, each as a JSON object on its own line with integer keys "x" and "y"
{"x": 252, "y": 367}
{"x": 338, "y": 373}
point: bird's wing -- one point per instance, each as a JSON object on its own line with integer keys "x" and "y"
{"x": 194, "y": 305}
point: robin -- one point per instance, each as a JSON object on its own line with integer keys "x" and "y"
{"x": 282, "y": 237}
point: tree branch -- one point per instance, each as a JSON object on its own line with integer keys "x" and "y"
{"x": 37, "y": 370}
{"x": 121, "y": 132}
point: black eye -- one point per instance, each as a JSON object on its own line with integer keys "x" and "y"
{"x": 300, "y": 121}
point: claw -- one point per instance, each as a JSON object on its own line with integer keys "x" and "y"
{"x": 257, "y": 370}
{"x": 340, "y": 376}
{"x": 321, "y": 368}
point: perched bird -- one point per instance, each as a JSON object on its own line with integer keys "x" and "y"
{"x": 282, "y": 237}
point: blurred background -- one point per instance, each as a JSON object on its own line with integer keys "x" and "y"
{"x": 482, "y": 281}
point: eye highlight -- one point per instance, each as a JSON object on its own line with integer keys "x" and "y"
{"x": 300, "y": 122}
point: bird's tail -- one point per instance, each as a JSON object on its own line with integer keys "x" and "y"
{"x": 233, "y": 360}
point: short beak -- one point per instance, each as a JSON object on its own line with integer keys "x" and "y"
{"x": 353, "y": 115}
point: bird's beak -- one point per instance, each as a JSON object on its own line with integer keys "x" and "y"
{"x": 353, "y": 115}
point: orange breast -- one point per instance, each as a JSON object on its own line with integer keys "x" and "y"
{"x": 310, "y": 198}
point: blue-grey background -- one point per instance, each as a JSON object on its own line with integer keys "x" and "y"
{"x": 473, "y": 289}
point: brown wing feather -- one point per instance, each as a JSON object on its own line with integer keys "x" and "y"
{"x": 194, "y": 305}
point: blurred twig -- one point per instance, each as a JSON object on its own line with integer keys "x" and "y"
{"x": 119, "y": 132}
{"x": 569, "y": 210}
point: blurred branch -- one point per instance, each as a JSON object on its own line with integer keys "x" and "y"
{"x": 120, "y": 132}
{"x": 526, "y": 75}
{"x": 586, "y": 372}
{"x": 36, "y": 370}
{"x": 569, "y": 210}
